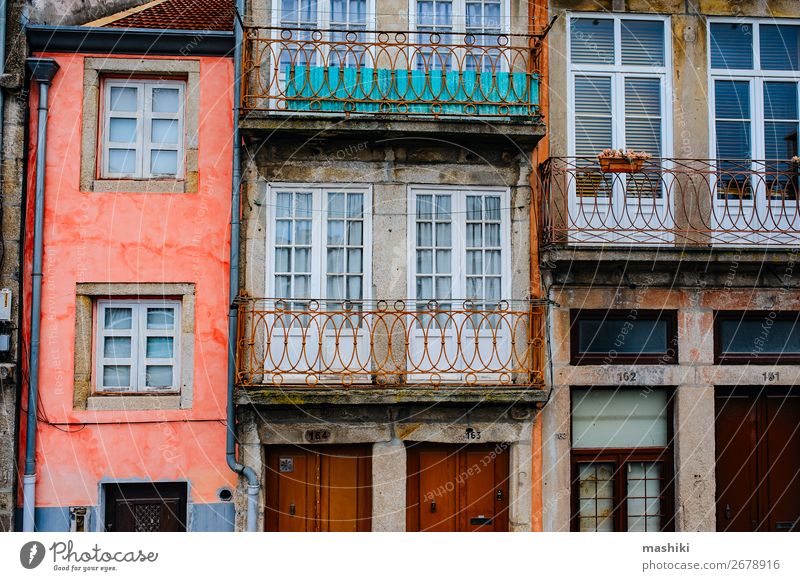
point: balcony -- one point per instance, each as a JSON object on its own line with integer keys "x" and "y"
{"x": 394, "y": 348}
{"x": 672, "y": 202}
{"x": 389, "y": 75}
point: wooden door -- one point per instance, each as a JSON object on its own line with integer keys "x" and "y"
{"x": 321, "y": 488}
{"x": 758, "y": 459}
{"x": 156, "y": 507}
{"x": 457, "y": 488}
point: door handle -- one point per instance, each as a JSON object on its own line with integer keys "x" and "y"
{"x": 728, "y": 511}
{"x": 433, "y": 506}
{"x": 292, "y": 509}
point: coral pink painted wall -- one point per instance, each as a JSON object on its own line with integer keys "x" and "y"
{"x": 129, "y": 237}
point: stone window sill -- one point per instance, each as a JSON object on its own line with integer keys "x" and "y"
{"x": 98, "y": 403}
{"x": 140, "y": 186}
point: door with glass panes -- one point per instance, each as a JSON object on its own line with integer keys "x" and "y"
{"x": 621, "y": 460}
{"x": 319, "y": 249}
{"x": 618, "y": 100}
{"x": 756, "y": 109}
{"x": 459, "y": 283}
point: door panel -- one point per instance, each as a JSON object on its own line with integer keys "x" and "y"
{"x": 155, "y": 507}
{"x": 758, "y": 465}
{"x": 322, "y": 488}
{"x": 457, "y": 488}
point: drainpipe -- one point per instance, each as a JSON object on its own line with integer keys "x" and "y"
{"x": 43, "y": 70}
{"x": 253, "y": 487}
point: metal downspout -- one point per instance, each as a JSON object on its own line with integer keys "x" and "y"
{"x": 43, "y": 70}
{"x": 253, "y": 487}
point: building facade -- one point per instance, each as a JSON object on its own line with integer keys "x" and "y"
{"x": 389, "y": 356}
{"x": 130, "y": 169}
{"x": 674, "y": 303}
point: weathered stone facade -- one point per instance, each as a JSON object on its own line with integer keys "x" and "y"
{"x": 11, "y": 211}
{"x": 694, "y": 280}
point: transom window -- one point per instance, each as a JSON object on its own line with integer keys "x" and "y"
{"x": 599, "y": 337}
{"x": 755, "y": 75}
{"x": 621, "y": 460}
{"x": 618, "y": 76}
{"x": 143, "y": 129}
{"x": 757, "y": 337}
{"x": 320, "y": 244}
{"x": 461, "y": 246}
{"x": 137, "y": 347}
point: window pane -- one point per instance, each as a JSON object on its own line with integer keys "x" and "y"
{"x": 780, "y": 47}
{"x": 160, "y": 318}
{"x": 623, "y": 335}
{"x": 122, "y": 130}
{"x": 780, "y": 100}
{"x": 164, "y": 131}
{"x": 761, "y": 335}
{"x": 122, "y": 161}
{"x": 642, "y": 43}
{"x": 592, "y": 40}
{"x": 164, "y": 162}
{"x": 124, "y": 99}
{"x": 355, "y": 233}
{"x": 336, "y": 258}
{"x": 166, "y": 100}
{"x": 732, "y": 103}
{"x": 116, "y": 376}
{"x": 626, "y": 418}
{"x": 731, "y": 46}
{"x": 644, "y": 496}
{"x": 160, "y": 347}
{"x": 158, "y": 376}
{"x": 117, "y": 318}
{"x": 336, "y": 232}
{"x": 643, "y": 115}
{"x": 592, "y": 115}
{"x": 596, "y": 496}
{"x": 117, "y": 347}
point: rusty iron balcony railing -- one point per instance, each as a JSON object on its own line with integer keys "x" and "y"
{"x": 422, "y": 74}
{"x": 671, "y": 202}
{"x": 389, "y": 344}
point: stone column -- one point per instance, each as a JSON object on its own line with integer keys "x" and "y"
{"x": 695, "y": 483}
{"x": 389, "y": 486}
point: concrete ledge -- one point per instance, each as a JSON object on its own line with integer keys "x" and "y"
{"x": 133, "y": 402}
{"x": 362, "y": 396}
{"x": 523, "y": 133}
{"x": 553, "y": 255}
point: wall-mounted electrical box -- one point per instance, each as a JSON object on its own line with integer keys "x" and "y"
{"x": 5, "y": 304}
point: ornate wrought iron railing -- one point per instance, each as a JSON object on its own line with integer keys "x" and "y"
{"x": 429, "y": 74}
{"x": 671, "y": 202}
{"x": 389, "y": 344}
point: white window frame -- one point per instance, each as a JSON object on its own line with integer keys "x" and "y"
{"x": 144, "y": 116}
{"x": 458, "y": 236}
{"x": 324, "y": 15}
{"x": 756, "y": 77}
{"x": 459, "y": 25}
{"x": 618, "y": 73}
{"x": 319, "y": 244}
{"x": 138, "y": 334}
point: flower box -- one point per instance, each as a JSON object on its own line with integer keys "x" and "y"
{"x": 621, "y": 164}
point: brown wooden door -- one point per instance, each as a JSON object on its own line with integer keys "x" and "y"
{"x": 455, "y": 488}
{"x": 156, "y": 507}
{"x": 758, "y": 459}
{"x": 324, "y": 488}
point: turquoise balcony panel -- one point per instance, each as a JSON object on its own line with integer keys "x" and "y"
{"x": 351, "y": 89}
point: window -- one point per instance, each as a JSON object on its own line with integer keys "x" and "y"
{"x": 636, "y": 336}
{"x": 755, "y": 76}
{"x": 618, "y": 75}
{"x": 320, "y": 244}
{"x": 756, "y": 337}
{"x": 137, "y": 347}
{"x": 461, "y": 244}
{"x": 621, "y": 460}
{"x": 143, "y": 131}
